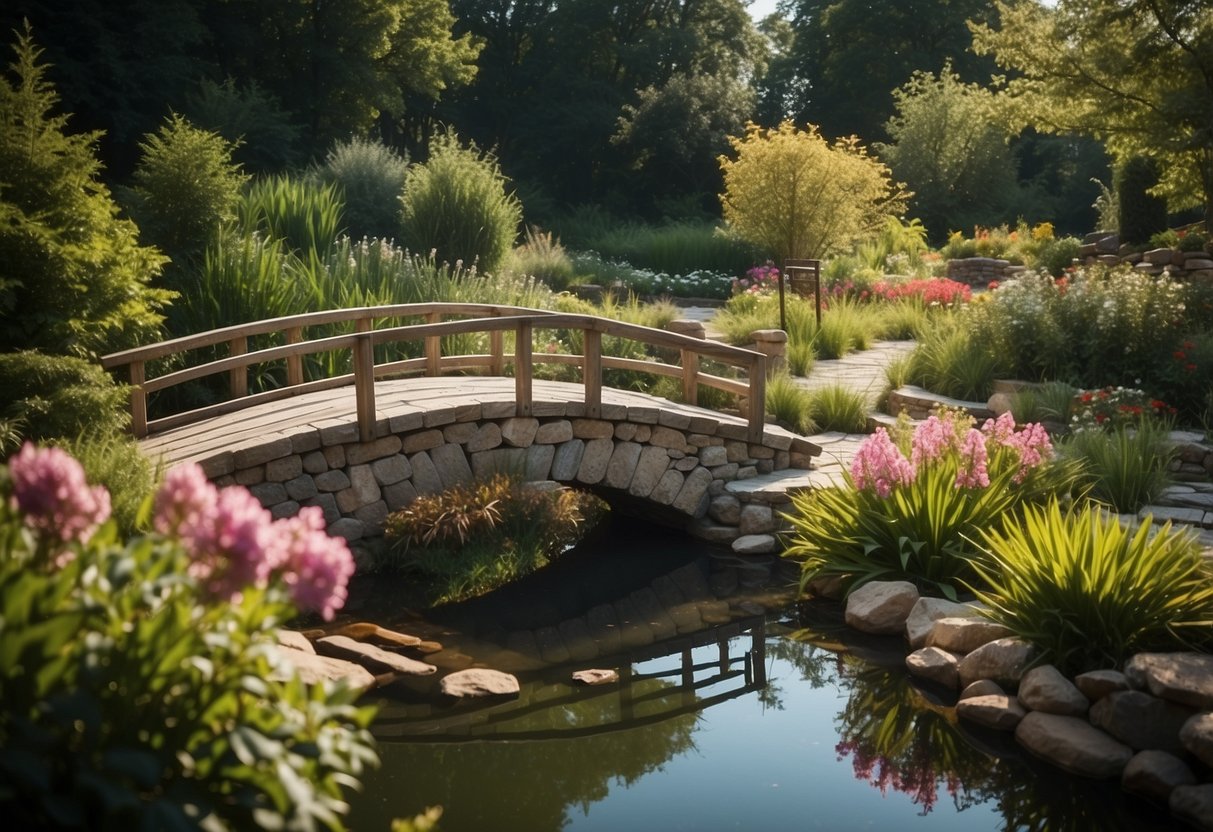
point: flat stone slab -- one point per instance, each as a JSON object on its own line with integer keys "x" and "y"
{"x": 595, "y": 676}
{"x": 478, "y": 682}
{"x": 313, "y": 669}
{"x": 371, "y": 657}
{"x": 373, "y": 633}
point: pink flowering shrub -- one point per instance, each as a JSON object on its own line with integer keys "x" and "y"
{"x": 757, "y": 281}
{"x": 141, "y": 685}
{"x": 913, "y": 501}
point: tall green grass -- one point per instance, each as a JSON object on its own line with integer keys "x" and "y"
{"x": 1127, "y": 467}
{"x": 676, "y": 248}
{"x": 837, "y": 407}
{"x": 948, "y": 361}
{"x": 305, "y": 215}
{"x": 790, "y": 404}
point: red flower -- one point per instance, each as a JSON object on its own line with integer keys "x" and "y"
{"x": 993, "y": 284}
{"x": 1086, "y": 397}
{"x": 1179, "y": 356}
{"x": 1190, "y": 367}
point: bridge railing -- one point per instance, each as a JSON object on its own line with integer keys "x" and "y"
{"x": 495, "y": 321}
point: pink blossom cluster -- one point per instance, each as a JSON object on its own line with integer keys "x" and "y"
{"x": 932, "y": 439}
{"x": 1031, "y": 444}
{"x": 234, "y": 543}
{"x": 757, "y": 280}
{"x": 880, "y": 465}
{"x": 973, "y": 471}
{"x": 50, "y": 489}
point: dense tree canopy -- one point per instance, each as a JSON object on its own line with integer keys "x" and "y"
{"x": 1138, "y": 75}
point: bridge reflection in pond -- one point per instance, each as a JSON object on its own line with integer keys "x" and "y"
{"x": 839, "y": 738}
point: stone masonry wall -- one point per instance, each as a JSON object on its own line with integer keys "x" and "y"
{"x": 684, "y": 466}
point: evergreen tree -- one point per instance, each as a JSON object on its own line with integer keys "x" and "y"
{"x": 73, "y": 277}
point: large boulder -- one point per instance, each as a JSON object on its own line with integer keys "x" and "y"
{"x": 1096, "y": 684}
{"x": 1141, "y": 720}
{"x": 1194, "y": 804}
{"x": 927, "y": 611}
{"x": 1073, "y": 744}
{"x": 1004, "y": 660}
{"x": 1002, "y": 713}
{"x": 1186, "y": 678}
{"x": 1155, "y": 774}
{"x": 881, "y": 607}
{"x": 1197, "y": 737}
{"x": 936, "y": 665}
{"x": 964, "y": 635}
{"x": 1045, "y": 689}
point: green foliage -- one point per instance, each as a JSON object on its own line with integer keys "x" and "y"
{"x": 371, "y": 177}
{"x": 473, "y": 538}
{"x": 795, "y": 195}
{"x": 1089, "y": 592}
{"x": 801, "y": 357}
{"x": 304, "y": 215}
{"x": 1142, "y": 214}
{"x": 1136, "y": 77}
{"x": 73, "y": 277}
{"x": 1125, "y": 467}
{"x": 185, "y": 187}
{"x": 951, "y": 361}
{"x": 542, "y": 257}
{"x": 1057, "y": 255}
{"x": 674, "y": 247}
{"x": 1046, "y": 402}
{"x": 838, "y": 407}
{"x": 60, "y": 397}
{"x": 132, "y": 700}
{"x": 950, "y": 152}
{"x": 456, "y": 204}
{"x": 790, "y": 404}
{"x": 264, "y": 137}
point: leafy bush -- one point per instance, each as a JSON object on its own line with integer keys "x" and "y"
{"x": 370, "y": 176}
{"x": 838, "y": 407}
{"x": 116, "y": 463}
{"x": 542, "y": 257}
{"x": 56, "y": 396}
{"x": 914, "y": 517}
{"x": 473, "y": 538}
{"x": 673, "y": 248}
{"x": 142, "y": 685}
{"x": 1125, "y": 467}
{"x": 1055, "y": 257}
{"x": 1089, "y": 592}
{"x": 251, "y": 118}
{"x": 950, "y": 360}
{"x": 184, "y": 187}
{"x": 73, "y": 277}
{"x": 1046, "y": 402}
{"x": 1142, "y": 214}
{"x": 457, "y": 205}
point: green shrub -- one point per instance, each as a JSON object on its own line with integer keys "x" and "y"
{"x": 1046, "y": 402}
{"x": 306, "y": 216}
{"x": 901, "y": 320}
{"x": 801, "y": 358}
{"x": 249, "y": 117}
{"x": 456, "y": 204}
{"x": 73, "y": 277}
{"x": 1142, "y": 215}
{"x": 952, "y": 361}
{"x": 838, "y": 407}
{"x": 116, "y": 463}
{"x": 1126, "y": 467}
{"x": 542, "y": 257}
{"x": 57, "y": 397}
{"x": 914, "y": 517}
{"x": 184, "y": 187}
{"x": 370, "y": 176}
{"x": 1089, "y": 592}
{"x": 790, "y": 404}
{"x": 473, "y": 538}
{"x": 142, "y": 684}
{"x": 1056, "y": 255}
{"x": 673, "y": 248}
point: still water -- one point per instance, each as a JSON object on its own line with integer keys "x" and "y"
{"x": 779, "y": 718}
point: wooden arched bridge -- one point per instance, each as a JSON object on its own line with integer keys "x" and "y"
{"x": 413, "y": 398}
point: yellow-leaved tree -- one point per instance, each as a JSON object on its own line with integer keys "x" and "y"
{"x": 797, "y": 195}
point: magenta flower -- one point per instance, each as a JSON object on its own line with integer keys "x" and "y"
{"x": 316, "y": 567}
{"x": 973, "y": 472}
{"x": 878, "y": 465}
{"x": 50, "y": 489}
{"x": 1000, "y": 429}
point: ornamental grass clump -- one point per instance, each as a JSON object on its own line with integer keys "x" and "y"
{"x": 911, "y": 503}
{"x": 142, "y": 686}
{"x": 1090, "y": 592}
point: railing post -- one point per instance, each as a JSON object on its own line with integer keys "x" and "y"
{"x": 138, "y": 400}
{"x": 522, "y": 369}
{"x": 433, "y": 348}
{"x": 690, "y": 376}
{"x": 758, "y": 398}
{"x": 591, "y": 373}
{"x": 364, "y": 385}
{"x": 294, "y": 363}
{"x": 238, "y": 378}
{"x": 497, "y": 352}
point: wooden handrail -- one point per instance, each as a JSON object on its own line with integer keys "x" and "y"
{"x": 496, "y": 321}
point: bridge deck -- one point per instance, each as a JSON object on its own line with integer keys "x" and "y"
{"x": 412, "y": 403}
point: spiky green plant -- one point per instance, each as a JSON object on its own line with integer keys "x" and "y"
{"x": 790, "y": 403}
{"x": 1127, "y": 467}
{"x": 838, "y": 407}
{"x": 948, "y": 361}
{"x": 304, "y": 214}
{"x": 801, "y": 358}
{"x": 1089, "y": 592}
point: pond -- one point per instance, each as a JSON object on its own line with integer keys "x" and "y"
{"x": 779, "y": 718}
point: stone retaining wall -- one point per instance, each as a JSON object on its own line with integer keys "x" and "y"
{"x": 674, "y": 464}
{"x": 1106, "y": 249}
{"x": 979, "y": 271}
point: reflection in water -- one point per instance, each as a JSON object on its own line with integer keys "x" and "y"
{"x": 717, "y": 728}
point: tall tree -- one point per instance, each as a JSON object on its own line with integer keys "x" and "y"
{"x": 847, "y": 57}
{"x": 73, "y": 277}
{"x": 1137, "y": 74}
